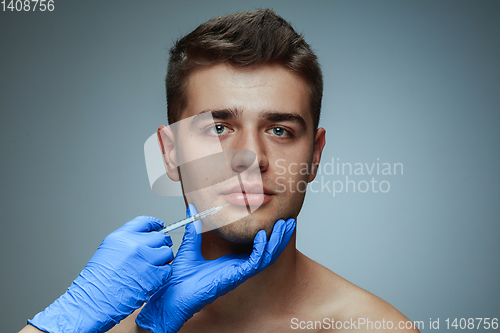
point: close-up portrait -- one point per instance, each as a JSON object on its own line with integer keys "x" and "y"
{"x": 250, "y": 166}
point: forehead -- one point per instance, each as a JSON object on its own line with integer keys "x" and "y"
{"x": 253, "y": 90}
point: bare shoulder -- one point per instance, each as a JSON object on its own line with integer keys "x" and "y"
{"x": 344, "y": 306}
{"x": 373, "y": 314}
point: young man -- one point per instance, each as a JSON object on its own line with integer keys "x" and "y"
{"x": 263, "y": 87}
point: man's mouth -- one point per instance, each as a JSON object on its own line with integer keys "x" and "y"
{"x": 245, "y": 194}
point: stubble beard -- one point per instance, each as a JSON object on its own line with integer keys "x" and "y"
{"x": 244, "y": 230}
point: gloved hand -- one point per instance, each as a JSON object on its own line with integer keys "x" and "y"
{"x": 128, "y": 267}
{"x": 196, "y": 282}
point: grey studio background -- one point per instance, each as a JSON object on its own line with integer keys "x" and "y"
{"x": 411, "y": 82}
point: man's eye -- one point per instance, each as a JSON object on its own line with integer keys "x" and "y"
{"x": 219, "y": 129}
{"x": 279, "y": 131}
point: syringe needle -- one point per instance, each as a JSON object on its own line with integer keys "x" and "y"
{"x": 191, "y": 219}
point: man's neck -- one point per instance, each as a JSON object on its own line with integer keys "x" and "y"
{"x": 265, "y": 292}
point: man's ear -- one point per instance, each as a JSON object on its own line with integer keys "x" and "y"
{"x": 166, "y": 141}
{"x": 319, "y": 144}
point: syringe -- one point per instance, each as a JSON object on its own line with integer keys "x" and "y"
{"x": 191, "y": 219}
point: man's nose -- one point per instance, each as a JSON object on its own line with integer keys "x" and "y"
{"x": 249, "y": 152}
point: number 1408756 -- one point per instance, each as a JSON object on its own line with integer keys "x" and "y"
{"x": 28, "y": 5}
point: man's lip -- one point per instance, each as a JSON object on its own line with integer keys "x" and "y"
{"x": 248, "y": 188}
{"x": 247, "y": 199}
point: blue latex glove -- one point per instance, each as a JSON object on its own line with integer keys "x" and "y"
{"x": 196, "y": 282}
{"x": 128, "y": 267}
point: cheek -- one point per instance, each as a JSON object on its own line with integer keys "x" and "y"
{"x": 298, "y": 170}
{"x": 294, "y": 163}
{"x": 191, "y": 147}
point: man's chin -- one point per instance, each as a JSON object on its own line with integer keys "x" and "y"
{"x": 243, "y": 231}
{"x": 237, "y": 238}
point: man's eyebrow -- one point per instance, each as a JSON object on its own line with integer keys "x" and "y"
{"x": 224, "y": 114}
{"x": 227, "y": 114}
{"x": 284, "y": 116}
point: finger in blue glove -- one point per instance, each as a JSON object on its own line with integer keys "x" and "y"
{"x": 129, "y": 266}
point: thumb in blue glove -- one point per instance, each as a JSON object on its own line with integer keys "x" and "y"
{"x": 128, "y": 267}
{"x": 196, "y": 282}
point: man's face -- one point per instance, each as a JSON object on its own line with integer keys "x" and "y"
{"x": 264, "y": 110}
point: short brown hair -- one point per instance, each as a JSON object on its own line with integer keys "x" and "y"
{"x": 241, "y": 39}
